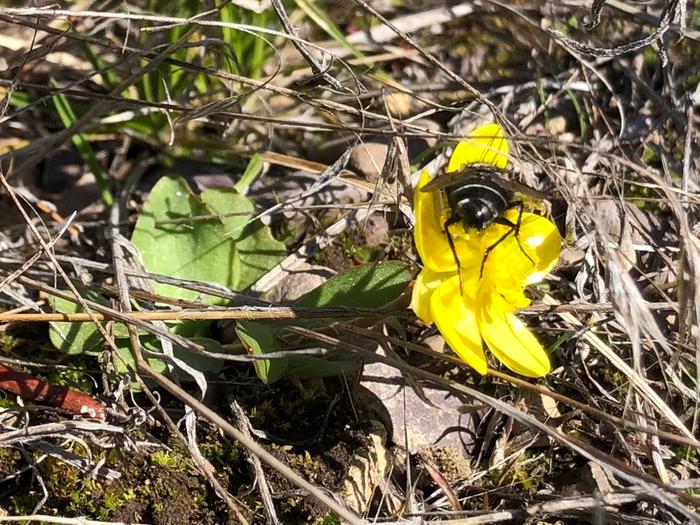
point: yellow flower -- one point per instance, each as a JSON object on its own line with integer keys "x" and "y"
{"x": 483, "y": 310}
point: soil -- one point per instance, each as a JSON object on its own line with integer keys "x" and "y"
{"x": 161, "y": 486}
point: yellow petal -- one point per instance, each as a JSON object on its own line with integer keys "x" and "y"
{"x": 484, "y": 145}
{"x": 507, "y": 264}
{"x": 508, "y": 338}
{"x": 455, "y": 316}
{"x": 540, "y": 236}
{"x": 431, "y": 241}
{"x": 426, "y": 283}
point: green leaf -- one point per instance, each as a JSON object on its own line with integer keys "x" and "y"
{"x": 310, "y": 367}
{"x": 195, "y": 249}
{"x": 208, "y": 237}
{"x": 74, "y": 338}
{"x": 195, "y": 360}
{"x": 199, "y": 361}
{"x": 79, "y": 338}
{"x": 259, "y": 339}
{"x": 219, "y": 250}
{"x": 252, "y": 172}
{"x": 368, "y": 286}
{"x": 126, "y": 361}
{"x": 81, "y": 143}
{"x": 258, "y": 251}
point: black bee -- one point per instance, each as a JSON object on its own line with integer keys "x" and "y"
{"x": 478, "y": 195}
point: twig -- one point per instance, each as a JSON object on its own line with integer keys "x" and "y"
{"x": 253, "y": 313}
{"x": 301, "y": 47}
{"x": 612, "y": 463}
{"x": 36, "y": 432}
{"x": 212, "y": 314}
{"x": 243, "y": 424}
{"x": 35, "y": 389}
{"x": 45, "y": 518}
{"x": 540, "y": 510}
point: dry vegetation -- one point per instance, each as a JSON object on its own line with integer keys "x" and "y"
{"x": 317, "y": 114}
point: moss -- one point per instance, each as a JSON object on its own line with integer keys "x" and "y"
{"x": 331, "y": 519}
{"x": 115, "y": 501}
{"x": 524, "y": 476}
{"x": 157, "y": 488}
{"x": 171, "y": 460}
{"x": 6, "y": 402}
{"x": 22, "y": 504}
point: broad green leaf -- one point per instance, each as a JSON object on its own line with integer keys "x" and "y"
{"x": 79, "y": 338}
{"x": 258, "y": 251}
{"x": 309, "y": 367}
{"x": 74, "y": 338}
{"x": 368, "y": 286}
{"x": 259, "y": 339}
{"x": 194, "y": 249}
{"x": 216, "y": 249}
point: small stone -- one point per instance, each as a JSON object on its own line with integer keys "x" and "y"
{"x": 435, "y": 342}
{"x": 408, "y": 417}
{"x": 368, "y": 158}
{"x": 306, "y": 278}
{"x": 375, "y": 229}
{"x": 556, "y": 125}
{"x": 401, "y": 104}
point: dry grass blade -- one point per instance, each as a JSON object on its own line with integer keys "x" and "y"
{"x": 664, "y": 493}
{"x": 637, "y": 381}
{"x": 257, "y": 148}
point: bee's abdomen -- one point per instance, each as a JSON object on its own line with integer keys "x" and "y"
{"x": 478, "y": 200}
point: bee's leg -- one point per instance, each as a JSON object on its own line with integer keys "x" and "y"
{"x": 514, "y": 229}
{"x": 488, "y": 250}
{"x": 449, "y": 222}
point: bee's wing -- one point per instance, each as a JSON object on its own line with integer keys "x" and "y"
{"x": 443, "y": 181}
{"x": 524, "y": 190}
{"x": 448, "y": 179}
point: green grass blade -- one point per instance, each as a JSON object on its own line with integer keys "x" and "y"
{"x": 252, "y": 172}
{"x": 65, "y": 112}
{"x": 321, "y": 20}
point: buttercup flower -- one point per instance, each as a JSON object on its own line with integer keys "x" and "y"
{"x": 483, "y": 310}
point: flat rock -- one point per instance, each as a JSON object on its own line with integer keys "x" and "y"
{"x": 407, "y": 416}
{"x": 298, "y": 283}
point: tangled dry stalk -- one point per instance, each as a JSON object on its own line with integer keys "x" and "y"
{"x": 600, "y": 104}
